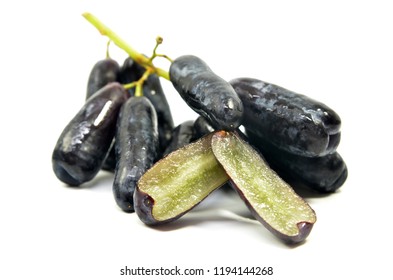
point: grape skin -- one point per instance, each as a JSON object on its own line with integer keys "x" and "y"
{"x": 84, "y": 143}
{"x": 323, "y": 174}
{"x": 206, "y": 93}
{"x": 152, "y": 89}
{"x": 288, "y": 120}
{"x": 136, "y": 148}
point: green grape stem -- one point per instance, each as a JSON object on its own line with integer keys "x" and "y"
{"x": 139, "y": 84}
{"x": 135, "y": 55}
{"x": 107, "y": 49}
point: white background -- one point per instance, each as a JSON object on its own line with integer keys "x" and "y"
{"x": 339, "y": 52}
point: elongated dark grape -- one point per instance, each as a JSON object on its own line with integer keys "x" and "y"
{"x": 322, "y": 174}
{"x": 83, "y": 145}
{"x": 290, "y": 121}
{"x": 206, "y": 93}
{"x": 136, "y": 148}
{"x": 153, "y": 90}
{"x": 181, "y": 136}
{"x": 105, "y": 71}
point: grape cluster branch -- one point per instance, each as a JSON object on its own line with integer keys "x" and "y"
{"x": 117, "y": 40}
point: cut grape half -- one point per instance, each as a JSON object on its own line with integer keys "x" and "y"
{"x": 178, "y": 182}
{"x": 270, "y": 199}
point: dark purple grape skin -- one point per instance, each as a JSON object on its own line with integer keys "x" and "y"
{"x": 105, "y": 71}
{"x": 110, "y": 160}
{"x": 153, "y": 90}
{"x": 290, "y": 121}
{"x": 129, "y": 72}
{"x": 324, "y": 174}
{"x": 84, "y": 143}
{"x": 181, "y": 136}
{"x": 206, "y": 93}
{"x": 137, "y": 146}
{"x": 144, "y": 208}
{"x": 187, "y": 132}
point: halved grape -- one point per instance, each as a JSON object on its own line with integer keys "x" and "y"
{"x": 270, "y": 199}
{"x": 178, "y": 182}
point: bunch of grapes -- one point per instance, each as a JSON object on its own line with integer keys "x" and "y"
{"x": 161, "y": 172}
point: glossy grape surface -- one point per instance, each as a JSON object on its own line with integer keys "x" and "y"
{"x": 290, "y": 121}
{"x": 105, "y": 71}
{"x": 84, "y": 143}
{"x": 153, "y": 90}
{"x": 206, "y": 93}
{"x": 136, "y": 148}
{"x": 323, "y": 174}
